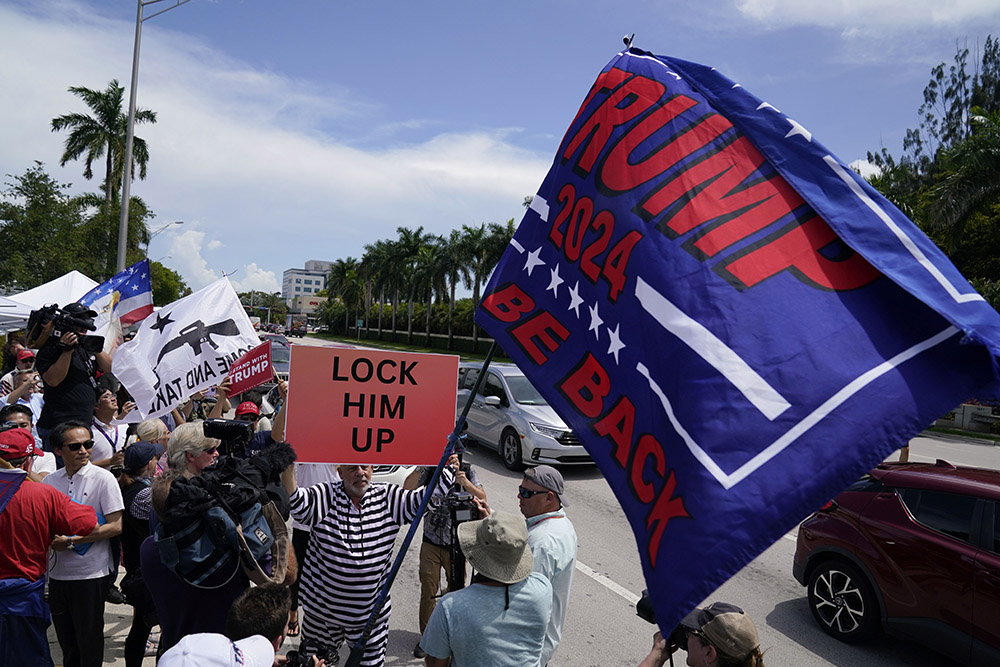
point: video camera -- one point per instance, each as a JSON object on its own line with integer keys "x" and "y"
{"x": 677, "y": 638}
{"x": 51, "y": 321}
{"x": 459, "y": 502}
{"x": 308, "y": 648}
{"x": 234, "y": 434}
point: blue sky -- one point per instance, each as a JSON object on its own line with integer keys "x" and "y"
{"x": 305, "y": 129}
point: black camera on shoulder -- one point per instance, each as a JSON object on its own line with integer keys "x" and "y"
{"x": 644, "y": 610}
{"x": 459, "y": 502}
{"x": 234, "y": 434}
{"x": 308, "y": 648}
{"x": 51, "y": 322}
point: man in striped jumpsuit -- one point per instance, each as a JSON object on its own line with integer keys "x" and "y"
{"x": 353, "y": 526}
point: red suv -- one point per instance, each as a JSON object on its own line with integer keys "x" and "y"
{"x": 913, "y": 549}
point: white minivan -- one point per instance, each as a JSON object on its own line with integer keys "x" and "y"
{"x": 510, "y": 416}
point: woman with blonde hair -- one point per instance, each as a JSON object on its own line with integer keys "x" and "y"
{"x": 189, "y": 451}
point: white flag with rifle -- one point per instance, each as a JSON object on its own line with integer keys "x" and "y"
{"x": 183, "y": 348}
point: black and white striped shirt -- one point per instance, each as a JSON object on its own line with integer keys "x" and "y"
{"x": 350, "y": 548}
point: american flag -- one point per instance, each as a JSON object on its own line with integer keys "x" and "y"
{"x": 126, "y": 298}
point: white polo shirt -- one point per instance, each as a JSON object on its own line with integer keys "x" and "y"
{"x": 98, "y": 488}
{"x": 109, "y": 439}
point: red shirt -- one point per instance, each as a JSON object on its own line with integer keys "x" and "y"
{"x": 35, "y": 515}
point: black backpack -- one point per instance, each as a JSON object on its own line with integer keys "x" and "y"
{"x": 231, "y": 516}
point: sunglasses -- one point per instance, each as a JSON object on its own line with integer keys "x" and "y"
{"x": 249, "y": 417}
{"x": 75, "y": 446}
{"x": 210, "y": 450}
{"x": 527, "y": 493}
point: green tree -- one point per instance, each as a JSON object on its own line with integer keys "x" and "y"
{"x": 103, "y": 135}
{"x": 344, "y": 283}
{"x": 40, "y": 230}
{"x": 168, "y": 286}
{"x": 451, "y": 267}
{"x": 95, "y": 227}
{"x": 970, "y": 176}
{"x": 376, "y": 266}
{"x": 407, "y": 249}
{"x": 264, "y": 305}
{"x": 947, "y": 179}
{"x": 429, "y": 276}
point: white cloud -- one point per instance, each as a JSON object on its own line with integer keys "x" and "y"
{"x": 258, "y": 279}
{"x": 864, "y": 15}
{"x": 186, "y": 259}
{"x": 865, "y": 168}
{"x": 248, "y": 153}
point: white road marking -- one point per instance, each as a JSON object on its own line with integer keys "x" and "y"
{"x": 631, "y": 597}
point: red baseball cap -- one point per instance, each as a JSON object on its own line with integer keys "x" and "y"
{"x": 16, "y": 443}
{"x": 247, "y": 408}
{"x": 25, "y": 354}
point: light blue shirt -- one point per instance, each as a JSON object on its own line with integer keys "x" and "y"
{"x": 473, "y": 628}
{"x": 553, "y": 544}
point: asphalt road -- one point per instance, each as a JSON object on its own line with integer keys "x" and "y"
{"x": 602, "y": 627}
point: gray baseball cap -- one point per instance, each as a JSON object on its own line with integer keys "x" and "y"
{"x": 549, "y": 478}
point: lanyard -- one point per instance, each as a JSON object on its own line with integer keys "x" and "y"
{"x": 113, "y": 443}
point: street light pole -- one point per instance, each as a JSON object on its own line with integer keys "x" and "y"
{"x": 130, "y": 128}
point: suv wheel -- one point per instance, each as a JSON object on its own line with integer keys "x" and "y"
{"x": 510, "y": 450}
{"x": 843, "y": 602}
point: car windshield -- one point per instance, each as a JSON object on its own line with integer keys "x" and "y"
{"x": 280, "y": 355}
{"x": 522, "y": 392}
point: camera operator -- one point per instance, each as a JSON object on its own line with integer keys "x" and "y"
{"x": 438, "y": 545}
{"x": 68, "y": 371}
{"x": 719, "y": 635}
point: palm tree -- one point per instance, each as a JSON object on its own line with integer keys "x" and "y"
{"x": 497, "y": 242}
{"x": 377, "y": 263}
{"x": 474, "y": 247}
{"x": 103, "y": 135}
{"x": 971, "y": 176}
{"x": 343, "y": 282}
{"x": 407, "y": 249}
{"x": 451, "y": 269}
{"x": 429, "y": 276}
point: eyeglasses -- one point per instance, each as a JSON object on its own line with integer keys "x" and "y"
{"x": 249, "y": 417}
{"x": 75, "y": 446}
{"x": 527, "y": 493}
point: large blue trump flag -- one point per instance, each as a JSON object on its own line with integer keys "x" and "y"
{"x": 734, "y": 323}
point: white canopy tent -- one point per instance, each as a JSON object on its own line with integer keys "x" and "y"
{"x": 14, "y": 310}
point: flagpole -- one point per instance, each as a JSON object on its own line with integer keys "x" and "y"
{"x": 454, "y": 444}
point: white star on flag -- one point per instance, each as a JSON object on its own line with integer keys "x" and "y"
{"x": 595, "y": 322}
{"x": 616, "y": 342}
{"x": 533, "y": 260}
{"x": 554, "y": 282}
{"x": 798, "y": 130}
{"x": 574, "y": 299}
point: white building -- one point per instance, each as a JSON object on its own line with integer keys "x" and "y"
{"x": 304, "y": 282}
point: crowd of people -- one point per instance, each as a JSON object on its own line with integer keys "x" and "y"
{"x": 91, "y": 494}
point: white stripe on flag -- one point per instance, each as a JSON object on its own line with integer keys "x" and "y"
{"x": 907, "y": 242}
{"x": 709, "y": 347}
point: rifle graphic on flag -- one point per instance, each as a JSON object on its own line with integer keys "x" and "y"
{"x": 185, "y": 347}
{"x": 735, "y": 324}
